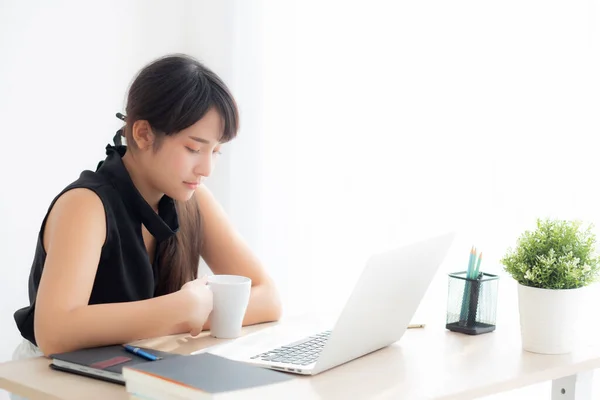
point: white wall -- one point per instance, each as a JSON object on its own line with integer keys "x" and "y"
{"x": 396, "y": 120}
{"x": 64, "y": 71}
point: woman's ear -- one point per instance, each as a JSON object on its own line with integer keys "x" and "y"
{"x": 142, "y": 134}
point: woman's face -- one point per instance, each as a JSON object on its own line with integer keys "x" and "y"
{"x": 183, "y": 160}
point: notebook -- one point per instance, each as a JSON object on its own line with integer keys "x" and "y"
{"x": 105, "y": 363}
{"x": 196, "y": 376}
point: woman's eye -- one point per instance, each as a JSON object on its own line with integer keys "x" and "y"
{"x": 192, "y": 150}
{"x": 217, "y": 152}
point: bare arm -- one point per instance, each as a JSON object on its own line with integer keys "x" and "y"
{"x": 73, "y": 237}
{"x": 225, "y": 252}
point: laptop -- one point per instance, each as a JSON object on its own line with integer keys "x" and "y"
{"x": 377, "y": 313}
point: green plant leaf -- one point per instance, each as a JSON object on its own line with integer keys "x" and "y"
{"x": 558, "y": 254}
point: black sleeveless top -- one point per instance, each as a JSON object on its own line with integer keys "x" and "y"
{"x": 124, "y": 270}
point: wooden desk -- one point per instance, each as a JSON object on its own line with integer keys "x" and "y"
{"x": 429, "y": 363}
{"x": 34, "y": 379}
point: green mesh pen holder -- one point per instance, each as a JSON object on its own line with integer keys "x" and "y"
{"x": 472, "y": 303}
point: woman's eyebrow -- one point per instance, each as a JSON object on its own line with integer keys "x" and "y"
{"x": 197, "y": 139}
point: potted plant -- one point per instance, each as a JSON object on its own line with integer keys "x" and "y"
{"x": 552, "y": 265}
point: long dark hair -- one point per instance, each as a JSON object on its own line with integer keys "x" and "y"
{"x": 173, "y": 93}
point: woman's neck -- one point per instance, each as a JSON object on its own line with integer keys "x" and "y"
{"x": 141, "y": 183}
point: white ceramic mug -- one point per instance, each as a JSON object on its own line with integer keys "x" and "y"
{"x": 231, "y": 294}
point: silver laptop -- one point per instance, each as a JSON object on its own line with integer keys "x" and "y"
{"x": 376, "y": 314}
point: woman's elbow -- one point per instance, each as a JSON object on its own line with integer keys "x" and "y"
{"x": 275, "y": 306}
{"x": 47, "y": 344}
{"x": 276, "y": 312}
{"x": 47, "y": 338}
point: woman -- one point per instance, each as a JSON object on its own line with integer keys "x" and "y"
{"x": 118, "y": 251}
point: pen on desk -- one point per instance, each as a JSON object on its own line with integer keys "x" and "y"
{"x": 140, "y": 352}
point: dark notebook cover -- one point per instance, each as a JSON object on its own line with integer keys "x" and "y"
{"x": 104, "y": 363}
{"x": 212, "y": 373}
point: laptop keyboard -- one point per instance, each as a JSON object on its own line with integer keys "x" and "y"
{"x": 303, "y": 352}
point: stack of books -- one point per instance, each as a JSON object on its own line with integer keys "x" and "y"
{"x": 152, "y": 375}
{"x": 199, "y": 376}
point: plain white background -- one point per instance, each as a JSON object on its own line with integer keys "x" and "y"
{"x": 363, "y": 125}
{"x": 414, "y": 118}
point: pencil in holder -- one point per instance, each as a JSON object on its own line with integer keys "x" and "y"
{"x": 472, "y": 303}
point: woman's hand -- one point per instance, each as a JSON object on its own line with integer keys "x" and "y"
{"x": 200, "y": 300}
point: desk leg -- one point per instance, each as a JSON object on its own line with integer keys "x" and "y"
{"x": 574, "y": 387}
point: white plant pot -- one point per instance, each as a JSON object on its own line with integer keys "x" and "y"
{"x": 549, "y": 318}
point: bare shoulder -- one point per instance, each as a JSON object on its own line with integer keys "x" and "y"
{"x": 203, "y": 193}
{"x": 76, "y": 208}
{"x": 73, "y": 238}
{"x": 207, "y": 202}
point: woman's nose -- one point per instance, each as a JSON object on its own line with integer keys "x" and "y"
{"x": 204, "y": 168}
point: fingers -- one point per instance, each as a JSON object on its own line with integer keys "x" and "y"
{"x": 196, "y": 331}
{"x": 203, "y": 280}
